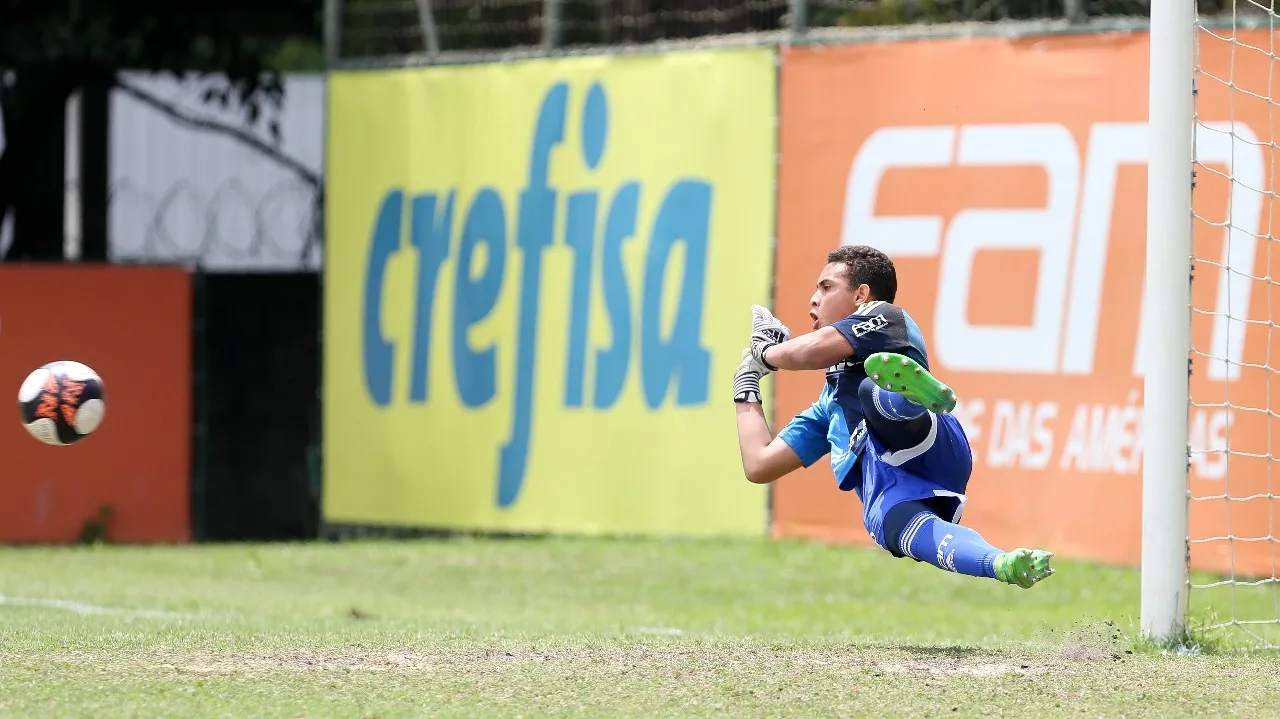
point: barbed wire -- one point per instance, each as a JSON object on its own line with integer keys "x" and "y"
{"x": 227, "y": 227}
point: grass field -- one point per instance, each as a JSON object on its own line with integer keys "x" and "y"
{"x": 561, "y": 627}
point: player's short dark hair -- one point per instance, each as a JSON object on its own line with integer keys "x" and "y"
{"x": 869, "y": 266}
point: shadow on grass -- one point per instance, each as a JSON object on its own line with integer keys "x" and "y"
{"x": 951, "y": 652}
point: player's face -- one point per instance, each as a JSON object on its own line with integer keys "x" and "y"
{"x": 834, "y": 299}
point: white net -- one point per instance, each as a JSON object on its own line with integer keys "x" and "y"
{"x": 1235, "y": 390}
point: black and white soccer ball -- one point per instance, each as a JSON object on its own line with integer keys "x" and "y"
{"x": 61, "y": 403}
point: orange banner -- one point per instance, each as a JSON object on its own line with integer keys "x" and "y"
{"x": 1007, "y": 179}
{"x": 132, "y": 325}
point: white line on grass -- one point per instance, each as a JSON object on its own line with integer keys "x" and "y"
{"x": 87, "y": 609}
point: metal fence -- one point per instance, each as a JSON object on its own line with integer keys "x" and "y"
{"x": 429, "y": 31}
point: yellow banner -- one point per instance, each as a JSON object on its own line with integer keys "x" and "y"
{"x": 538, "y": 280}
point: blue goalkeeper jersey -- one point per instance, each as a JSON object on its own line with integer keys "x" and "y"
{"x": 834, "y": 423}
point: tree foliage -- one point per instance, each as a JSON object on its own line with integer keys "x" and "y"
{"x": 50, "y": 49}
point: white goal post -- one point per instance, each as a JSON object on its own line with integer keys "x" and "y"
{"x": 1211, "y": 416}
{"x": 1166, "y": 392}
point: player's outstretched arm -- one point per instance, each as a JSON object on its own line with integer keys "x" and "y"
{"x": 764, "y": 457}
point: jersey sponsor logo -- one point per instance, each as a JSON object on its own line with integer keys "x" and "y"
{"x": 877, "y": 323}
{"x": 846, "y": 366}
{"x": 858, "y": 438}
{"x": 1072, "y": 243}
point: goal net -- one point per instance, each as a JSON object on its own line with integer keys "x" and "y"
{"x": 1233, "y": 432}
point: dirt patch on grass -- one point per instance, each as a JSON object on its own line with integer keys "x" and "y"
{"x": 985, "y": 670}
{"x": 1078, "y": 652}
{"x": 1072, "y": 657}
{"x": 298, "y": 662}
{"x": 685, "y": 659}
{"x": 688, "y": 660}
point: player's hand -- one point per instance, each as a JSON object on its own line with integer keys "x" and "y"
{"x": 766, "y": 331}
{"x": 746, "y": 381}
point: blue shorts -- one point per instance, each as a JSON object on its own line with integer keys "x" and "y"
{"x": 939, "y": 466}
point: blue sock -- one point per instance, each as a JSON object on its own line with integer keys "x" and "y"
{"x": 927, "y": 538}
{"x": 898, "y": 422}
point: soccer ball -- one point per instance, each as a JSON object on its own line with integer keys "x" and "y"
{"x": 62, "y": 403}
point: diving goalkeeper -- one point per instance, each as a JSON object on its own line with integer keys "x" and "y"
{"x": 883, "y": 417}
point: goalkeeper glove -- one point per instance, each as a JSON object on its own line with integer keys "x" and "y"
{"x": 746, "y": 381}
{"x": 766, "y": 331}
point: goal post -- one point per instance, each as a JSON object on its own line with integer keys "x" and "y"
{"x": 1166, "y": 391}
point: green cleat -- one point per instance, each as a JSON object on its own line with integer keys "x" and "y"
{"x": 901, "y": 374}
{"x": 1023, "y": 567}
